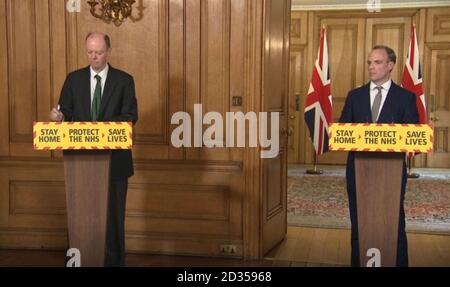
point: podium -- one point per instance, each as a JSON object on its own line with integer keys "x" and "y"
{"x": 87, "y": 150}
{"x": 379, "y": 151}
{"x": 87, "y": 185}
{"x": 378, "y": 179}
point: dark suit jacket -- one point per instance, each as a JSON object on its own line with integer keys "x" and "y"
{"x": 399, "y": 107}
{"x": 118, "y": 104}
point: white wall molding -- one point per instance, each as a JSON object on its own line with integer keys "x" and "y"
{"x": 363, "y": 6}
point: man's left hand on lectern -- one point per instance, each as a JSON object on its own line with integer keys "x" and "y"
{"x": 56, "y": 115}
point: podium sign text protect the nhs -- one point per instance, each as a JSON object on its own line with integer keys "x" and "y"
{"x": 82, "y": 135}
{"x": 381, "y": 137}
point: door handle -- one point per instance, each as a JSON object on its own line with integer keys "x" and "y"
{"x": 287, "y": 132}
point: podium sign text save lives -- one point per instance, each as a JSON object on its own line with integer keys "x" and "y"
{"x": 82, "y": 135}
{"x": 381, "y": 137}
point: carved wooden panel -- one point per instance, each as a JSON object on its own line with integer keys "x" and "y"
{"x": 438, "y": 24}
{"x": 28, "y": 63}
{"x": 346, "y": 58}
{"x": 441, "y": 140}
{"x": 180, "y": 207}
{"x": 32, "y": 205}
{"x": 299, "y": 28}
{"x": 36, "y": 197}
{"x": 392, "y": 32}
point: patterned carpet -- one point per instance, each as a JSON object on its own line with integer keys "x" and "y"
{"x": 321, "y": 201}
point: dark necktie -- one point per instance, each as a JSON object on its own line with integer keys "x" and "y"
{"x": 376, "y": 105}
{"x": 95, "y": 108}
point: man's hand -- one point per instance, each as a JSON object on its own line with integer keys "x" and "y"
{"x": 56, "y": 115}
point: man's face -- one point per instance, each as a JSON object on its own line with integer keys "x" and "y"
{"x": 379, "y": 66}
{"x": 97, "y": 52}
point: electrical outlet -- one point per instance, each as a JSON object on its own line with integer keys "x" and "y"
{"x": 228, "y": 248}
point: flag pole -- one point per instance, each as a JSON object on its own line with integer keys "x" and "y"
{"x": 314, "y": 171}
{"x": 412, "y": 81}
{"x": 318, "y": 106}
{"x": 411, "y": 174}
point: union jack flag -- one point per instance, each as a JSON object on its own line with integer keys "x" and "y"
{"x": 318, "y": 107}
{"x": 412, "y": 76}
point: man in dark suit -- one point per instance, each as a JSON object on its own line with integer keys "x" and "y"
{"x": 380, "y": 101}
{"x": 100, "y": 92}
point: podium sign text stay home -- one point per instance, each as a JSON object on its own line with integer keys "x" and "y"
{"x": 82, "y": 135}
{"x": 381, "y": 137}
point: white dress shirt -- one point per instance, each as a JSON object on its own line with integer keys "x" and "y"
{"x": 103, "y": 74}
{"x": 384, "y": 91}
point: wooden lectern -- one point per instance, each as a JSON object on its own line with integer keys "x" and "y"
{"x": 378, "y": 178}
{"x": 87, "y": 185}
{"x": 379, "y": 151}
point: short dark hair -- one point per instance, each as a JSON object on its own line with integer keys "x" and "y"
{"x": 106, "y": 38}
{"x": 391, "y": 54}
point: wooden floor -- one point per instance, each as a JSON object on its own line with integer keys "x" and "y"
{"x": 302, "y": 247}
{"x": 327, "y": 247}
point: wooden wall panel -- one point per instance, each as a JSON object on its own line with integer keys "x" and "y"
{"x": 193, "y": 62}
{"x": 22, "y": 71}
{"x": 346, "y": 58}
{"x": 215, "y": 70}
{"x": 182, "y": 201}
{"x": 176, "y": 66}
{"x": 32, "y": 208}
{"x": 169, "y": 206}
{"x": 36, "y": 197}
{"x": 4, "y": 91}
{"x": 438, "y": 24}
{"x": 393, "y": 32}
{"x": 43, "y": 60}
{"x": 299, "y": 25}
{"x": 58, "y": 52}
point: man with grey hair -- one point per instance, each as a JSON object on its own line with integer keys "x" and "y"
{"x": 379, "y": 101}
{"x": 102, "y": 93}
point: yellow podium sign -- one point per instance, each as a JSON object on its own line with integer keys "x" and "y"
{"x": 381, "y": 137}
{"x": 82, "y": 135}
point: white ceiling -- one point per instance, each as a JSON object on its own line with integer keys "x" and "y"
{"x": 362, "y": 4}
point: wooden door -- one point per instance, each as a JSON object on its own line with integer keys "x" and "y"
{"x": 438, "y": 70}
{"x": 275, "y": 93}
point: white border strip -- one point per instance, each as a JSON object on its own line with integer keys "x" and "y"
{"x": 364, "y": 6}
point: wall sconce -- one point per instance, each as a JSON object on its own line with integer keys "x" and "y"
{"x": 112, "y": 10}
